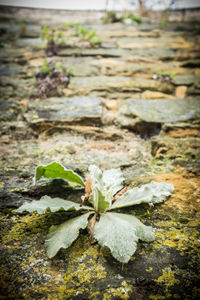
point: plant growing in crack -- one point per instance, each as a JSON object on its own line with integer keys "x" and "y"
{"x": 104, "y": 192}
{"x": 49, "y": 77}
{"x": 53, "y": 39}
{"x": 87, "y": 38}
{"x": 163, "y": 76}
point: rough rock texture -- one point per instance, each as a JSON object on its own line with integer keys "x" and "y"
{"x": 132, "y": 103}
{"x": 65, "y": 110}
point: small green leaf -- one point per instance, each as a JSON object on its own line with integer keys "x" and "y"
{"x": 97, "y": 197}
{"x": 120, "y": 233}
{"x": 113, "y": 182}
{"x": 56, "y": 170}
{"x": 64, "y": 234}
{"x": 54, "y": 204}
{"x": 102, "y": 204}
{"x": 152, "y": 193}
{"x": 104, "y": 186}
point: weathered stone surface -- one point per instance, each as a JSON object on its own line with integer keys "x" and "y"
{"x": 192, "y": 63}
{"x": 85, "y": 70}
{"x": 11, "y": 69}
{"x": 164, "y": 53}
{"x": 181, "y": 91}
{"x": 185, "y": 147}
{"x": 128, "y": 43}
{"x": 155, "y": 95}
{"x": 118, "y": 83}
{"x": 94, "y": 52}
{"x": 28, "y": 42}
{"x": 159, "y": 111}
{"x": 131, "y": 33}
{"x": 9, "y": 110}
{"x": 69, "y": 110}
{"x": 181, "y": 130}
{"x": 186, "y": 79}
{"x": 9, "y": 54}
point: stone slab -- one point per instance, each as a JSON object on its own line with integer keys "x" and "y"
{"x": 67, "y": 110}
{"x": 186, "y": 79}
{"x": 118, "y": 83}
{"x": 93, "y": 52}
{"x": 159, "y": 111}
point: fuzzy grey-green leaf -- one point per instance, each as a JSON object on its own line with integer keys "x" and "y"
{"x": 56, "y": 170}
{"x": 64, "y": 234}
{"x": 97, "y": 197}
{"x": 54, "y": 204}
{"x": 120, "y": 233}
{"x": 104, "y": 186}
{"x": 154, "y": 192}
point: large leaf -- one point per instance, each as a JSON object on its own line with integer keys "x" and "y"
{"x": 120, "y": 233}
{"x": 56, "y": 170}
{"x": 104, "y": 186}
{"x": 154, "y": 192}
{"x": 64, "y": 235}
{"x": 54, "y": 204}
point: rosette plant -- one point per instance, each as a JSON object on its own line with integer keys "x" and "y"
{"x": 104, "y": 193}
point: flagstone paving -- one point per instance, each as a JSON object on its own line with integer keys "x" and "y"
{"x": 132, "y": 103}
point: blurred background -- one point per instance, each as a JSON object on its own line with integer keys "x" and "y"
{"x": 105, "y": 4}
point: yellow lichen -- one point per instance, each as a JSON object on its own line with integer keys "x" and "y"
{"x": 27, "y": 225}
{"x": 2, "y": 185}
{"x": 168, "y": 280}
{"x": 149, "y": 269}
{"x": 167, "y": 277}
{"x": 157, "y": 297}
{"x": 82, "y": 270}
{"x": 122, "y": 292}
{"x": 17, "y": 189}
{"x": 182, "y": 237}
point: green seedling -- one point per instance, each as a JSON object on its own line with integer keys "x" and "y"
{"x": 134, "y": 18}
{"x": 164, "y": 76}
{"x": 104, "y": 193}
{"x": 70, "y": 71}
{"x": 23, "y": 27}
{"x": 45, "y": 68}
{"x": 51, "y": 36}
{"x": 88, "y": 35}
{"x": 111, "y": 17}
{"x": 172, "y": 74}
{"x": 163, "y": 23}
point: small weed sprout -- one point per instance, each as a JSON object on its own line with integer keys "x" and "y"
{"x": 49, "y": 77}
{"x": 54, "y": 40}
{"x": 134, "y": 18}
{"x": 104, "y": 193}
{"x": 88, "y": 36}
{"x": 113, "y": 17}
{"x": 23, "y": 28}
{"x": 163, "y": 76}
